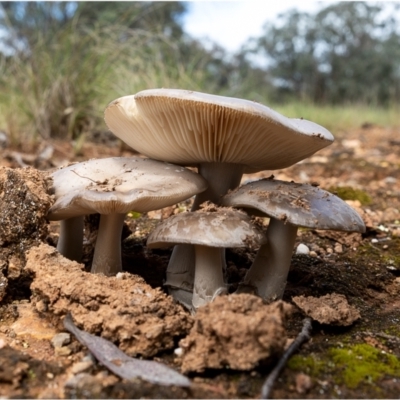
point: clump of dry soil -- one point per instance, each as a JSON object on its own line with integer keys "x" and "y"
{"x": 123, "y": 309}
{"x": 331, "y": 309}
{"x": 24, "y": 202}
{"x": 237, "y": 331}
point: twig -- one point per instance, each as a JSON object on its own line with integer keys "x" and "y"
{"x": 302, "y": 337}
{"x": 390, "y": 338}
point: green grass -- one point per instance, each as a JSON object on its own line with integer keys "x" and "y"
{"x": 342, "y": 117}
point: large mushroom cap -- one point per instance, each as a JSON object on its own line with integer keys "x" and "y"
{"x": 223, "y": 228}
{"x": 120, "y": 185}
{"x": 297, "y": 204}
{"x": 190, "y": 128}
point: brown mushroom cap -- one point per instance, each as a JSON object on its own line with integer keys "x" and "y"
{"x": 120, "y": 185}
{"x": 222, "y": 228}
{"x": 191, "y": 128}
{"x": 297, "y": 204}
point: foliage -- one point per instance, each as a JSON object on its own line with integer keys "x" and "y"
{"x": 62, "y": 62}
{"x": 57, "y": 81}
{"x": 348, "y": 51}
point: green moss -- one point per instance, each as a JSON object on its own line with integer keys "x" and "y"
{"x": 349, "y": 193}
{"x": 134, "y": 215}
{"x": 363, "y": 363}
{"x": 308, "y": 364}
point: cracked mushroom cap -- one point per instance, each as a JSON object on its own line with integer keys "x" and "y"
{"x": 298, "y": 204}
{"x": 120, "y": 185}
{"x": 222, "y": 228}
{"x": 190, "y": 128}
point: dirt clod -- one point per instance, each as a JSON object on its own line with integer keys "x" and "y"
{"x": 124, "y": 309}
{"x": 24, "y": 202}
{"x": 332, "y": 309}
{"x": 237, "y": 331}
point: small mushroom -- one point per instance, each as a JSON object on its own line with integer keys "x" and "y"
{"x": 223, "y": 137}
{"x": 112, "y": 187}
{"x": 289, "y": 205}
{"x": 207, "y": 231}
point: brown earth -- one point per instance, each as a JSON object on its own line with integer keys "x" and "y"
{"x": 357, "y": 361}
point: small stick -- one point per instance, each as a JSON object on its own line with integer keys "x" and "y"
{"x": 390, "y": 338}
{"x": 302, "y": 337}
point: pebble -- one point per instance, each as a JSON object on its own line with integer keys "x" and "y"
{"x": 81, "y": 366}
{"x": 303, "y": 383}
{"x": 338, "y": 248}
{"x": 390, "y": 180}
{"x": 178, "y": 352}
{"x": 62, "y": 351}
{"x": 61, "y": 339}
{"x": 302, "y": 249}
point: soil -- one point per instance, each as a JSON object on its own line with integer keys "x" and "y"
{"x": 228, "y": 348}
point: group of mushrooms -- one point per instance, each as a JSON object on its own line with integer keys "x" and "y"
{"x": 223, "y": 138}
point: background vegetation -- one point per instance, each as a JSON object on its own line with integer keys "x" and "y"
{"x": 61, "y": 63}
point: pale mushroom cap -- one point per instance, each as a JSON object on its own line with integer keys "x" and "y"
{"x": 298, "y": 204}
{"x": 189, "y": 128}
{"x": 120, "y": 185}
{"x": 223, "y": 228}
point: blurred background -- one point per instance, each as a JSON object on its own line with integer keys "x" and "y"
{"x": 61, "y": 63}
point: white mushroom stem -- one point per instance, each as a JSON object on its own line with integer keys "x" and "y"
{"x": 270, "y": 269}
{"x": 221, "y": 178}
{"x": 71, "y": 238}
{"x": 107, "y": 253}
{"x": 208, "y": 278}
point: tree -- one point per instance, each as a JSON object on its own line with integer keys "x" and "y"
{"x": 347, "y": 51}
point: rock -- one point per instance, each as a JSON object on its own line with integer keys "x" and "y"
{"x": 81, "y": 366}
{"x": 303, "y": 383}
{"x": 302, "y": 249}
{"x": 62, "y": 351}
{"x": 61, "y": 339}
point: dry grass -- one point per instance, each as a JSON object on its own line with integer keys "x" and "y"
{"x": 62, "y": 87}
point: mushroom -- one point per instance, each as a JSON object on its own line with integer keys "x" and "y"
{"x": 207, "y": 231}
{"x": 113, "y": 187}
{"x": 223, "y": 137}
{"x": 289, "y": 205}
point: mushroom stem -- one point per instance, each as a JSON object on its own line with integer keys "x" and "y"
{"x": 270, "y": 269}
{"x": 208, "y": 278}
{"x": 107, "y": 253}
{"x": 221, "y": 178}
{"x": 71, "y": 238}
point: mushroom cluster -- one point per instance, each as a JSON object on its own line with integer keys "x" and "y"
{"x": 223, "y": 138}
{"x": 226, "y": 138}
